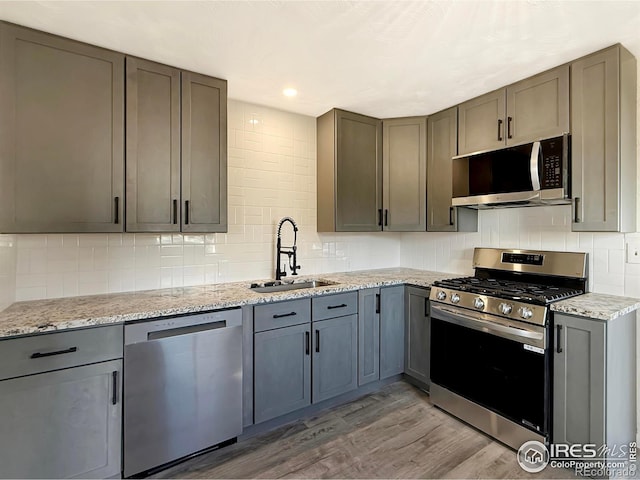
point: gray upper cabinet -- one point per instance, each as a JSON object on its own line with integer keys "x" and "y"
{"x": 481, "y": 123}
{"x": 368, "y": 335}
{"x": 594, "y": 380}
{"x": 442, "y": 136}
{"x": 404, "y": 173}
{"x": 603, "y": 143}
{"x": 418, "y": 335}
{"x": 391, "y": 331}
{"x": 349, "y": 172}
{"x": 538, "y": 107}
{"x": 61, "y": 134}
{"x": 534, "y": 108}
{"x": 153, "y": 147}
{"x": 204, "y": 153}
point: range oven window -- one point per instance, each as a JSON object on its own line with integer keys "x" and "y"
{"x": 497, "y": 373}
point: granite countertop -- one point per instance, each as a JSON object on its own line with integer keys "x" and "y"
{"x": 26, "y": 318}
{"x": 597, "y": 305}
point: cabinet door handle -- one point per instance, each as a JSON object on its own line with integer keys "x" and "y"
{"x": 331, "y": 307}
{"x": 576, "y": 215}
{"x": 509, "y": 120}
{"x": 114, "y": 379}
{"x": 307, "y": 339}
{"x": 116, "y": 206}
{"x": 426, "y": 307}
{"x": 51, "y": 354}
{"x": 187, "y": 205}
{"x": 282, "y": 315}
{"x": 450, "y": 215}
{"x": 317, "y": 341}
{"x": 377, "y": 303}
{"x": 379, "y": 217}
{"x": 175, "y": 211}
{"x": 558, "y": 344}
{"x": 386, "y": 217}
{"x": 499, "y": 129}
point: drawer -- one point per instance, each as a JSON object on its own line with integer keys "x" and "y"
{"x": 281, "y": 314}
{"x": 335, "y": 305}
{"x": 53, "y": 351}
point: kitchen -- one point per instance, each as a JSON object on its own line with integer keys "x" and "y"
{"x": 271, "y": 174}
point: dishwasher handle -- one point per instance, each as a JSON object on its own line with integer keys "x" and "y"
{"x": 161, "y": 328}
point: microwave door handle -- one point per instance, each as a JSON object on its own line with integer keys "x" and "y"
{"x": 533, "y": 166}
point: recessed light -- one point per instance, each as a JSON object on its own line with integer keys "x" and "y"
{"x": 289, "y": 92}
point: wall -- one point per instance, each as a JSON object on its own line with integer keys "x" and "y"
{"x": 272, "y": 174}
{"x": 546, "y": 228}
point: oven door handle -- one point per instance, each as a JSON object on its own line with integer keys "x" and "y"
{"x": 464, "y": 319}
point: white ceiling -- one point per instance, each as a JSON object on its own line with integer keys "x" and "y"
{"x": 381, "y": 58}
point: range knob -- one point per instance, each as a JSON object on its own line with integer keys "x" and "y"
{"x": 505, "y": 308}
{"x": 525, "y": 313}
{"x": 478, "y": 303}
{"x": 455, "y": 298}
{"x": 441, "y": 295}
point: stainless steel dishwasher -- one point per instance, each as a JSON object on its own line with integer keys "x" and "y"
{"x": 182, "y": 387}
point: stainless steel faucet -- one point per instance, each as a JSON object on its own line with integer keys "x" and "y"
{"x": 289, "y": 251}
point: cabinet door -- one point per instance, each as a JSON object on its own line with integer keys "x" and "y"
{"x": 368, "y": 335}
{"x": 391, "y": 331}
{"x": 404, "y": 173}
{"x": 335, "y": 357}
{"x": 579, "y": 380}
{"x": 418, "y": 339}
{"x": 153, "y": 147}
{"x": 538, "y": 107}
{"x": 204, "y": 153}
{"x": 481, "y": 123}
{"x": 358, "y": 173}
{"x": 441, "y": 146}
{"x": 595, "y": 134}
{"x": 61, "y": 134}
{"x": 282, "y": 371}
{"x": 62, "y": 424}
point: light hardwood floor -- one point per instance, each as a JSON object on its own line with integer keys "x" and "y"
{"x": 393, "y": 433}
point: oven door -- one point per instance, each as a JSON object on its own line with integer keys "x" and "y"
{"x": 499, "y": 364}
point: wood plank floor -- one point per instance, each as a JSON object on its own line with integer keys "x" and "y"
{"x": 393, "y": 433}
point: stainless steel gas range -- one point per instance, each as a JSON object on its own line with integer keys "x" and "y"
{"x": 492, "y": 338}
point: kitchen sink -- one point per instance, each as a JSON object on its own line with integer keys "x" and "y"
{"x": 278, "y": 286}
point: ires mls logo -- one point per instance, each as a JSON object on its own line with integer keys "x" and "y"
{"x": 533, "y": 456}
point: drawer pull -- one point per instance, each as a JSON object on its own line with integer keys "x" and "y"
{"x": 282, "y": 315}
{"x": 51, "y": 354}
{"x": 331, "y": 307}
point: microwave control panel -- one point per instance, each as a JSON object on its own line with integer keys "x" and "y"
{"x": 551, "y": 175}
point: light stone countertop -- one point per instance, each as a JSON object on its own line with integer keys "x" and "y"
{"x": 597, "y": 305}
{"x": 38, "y": 316}
{"x": 26, "y": 318}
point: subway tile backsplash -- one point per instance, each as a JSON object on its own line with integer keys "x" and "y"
{"x": 272, "y": 174}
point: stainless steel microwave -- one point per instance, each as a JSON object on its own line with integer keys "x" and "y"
{"x": 530, "y": 174}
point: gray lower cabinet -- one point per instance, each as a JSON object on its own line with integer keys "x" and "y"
{"x": 368, "y": 335}
{"x": 391, "y": 331}
{"x": 404, "y": 174}
{"x": 418, "y": 334}
{"x": 603, "y": 143}
{"x": 349, "y": 172}
{"x": 282, "y": 371}
{"x": 335, "y": 357}
{"x": 61, "y": 403}
{"x": 442, "y": 141}
{"x": 61, "y": 134}
{"x": 594, "y": 378}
